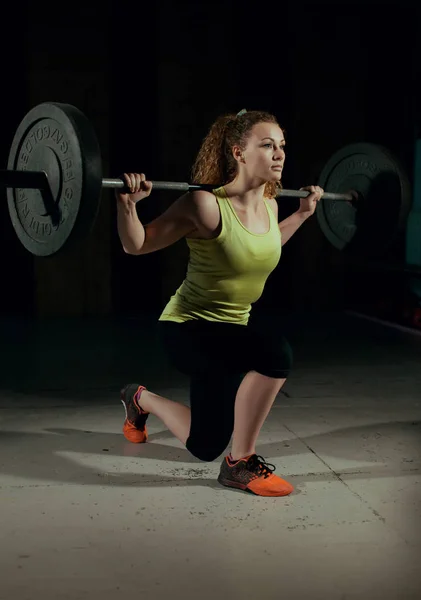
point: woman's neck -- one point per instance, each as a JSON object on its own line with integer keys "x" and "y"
{"x": 245, "y": 193}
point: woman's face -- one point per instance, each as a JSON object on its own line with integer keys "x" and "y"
{"x": 264, "y": 156}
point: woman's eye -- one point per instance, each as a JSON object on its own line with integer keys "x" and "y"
{"x": 271, "y": 146}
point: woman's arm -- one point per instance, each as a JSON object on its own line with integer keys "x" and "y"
{"x": 308, "y": 205}
{"x": 130, "y": 229}
{"x": 183, "y": 217}
{"x": 175, "y": 223}
{"x": 290, "y": 225}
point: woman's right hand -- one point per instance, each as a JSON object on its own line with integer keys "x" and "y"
{"x": 139, "y": 187}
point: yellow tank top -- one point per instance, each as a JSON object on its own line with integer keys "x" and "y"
{"x": 226, "y": 274}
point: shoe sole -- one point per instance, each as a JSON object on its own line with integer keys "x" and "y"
{"x": 234, "y": 484}
{"x": 244, "y": 488}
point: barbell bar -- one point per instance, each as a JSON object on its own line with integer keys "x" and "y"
{"x": 54, "y": 181}
{"x": 188, "y": 187}
{"x": 38, "y": 180}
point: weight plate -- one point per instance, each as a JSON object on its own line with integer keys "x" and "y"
{"x": 58, "y": 139}
{"x": 369, "y": 226}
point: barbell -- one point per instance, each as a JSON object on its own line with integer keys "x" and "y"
{"x": 54, "y": 182}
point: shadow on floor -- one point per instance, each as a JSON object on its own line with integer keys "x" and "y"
{"x": 38, "y": 456}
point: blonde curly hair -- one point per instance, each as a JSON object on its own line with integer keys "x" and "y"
{"x": 215, "y": 164}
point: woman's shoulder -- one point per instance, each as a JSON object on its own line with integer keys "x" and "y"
{"x": 203, "y": 201}
{"x": 206, "y": 210}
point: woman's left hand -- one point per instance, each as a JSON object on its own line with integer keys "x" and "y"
{"x": 308, "y": 205}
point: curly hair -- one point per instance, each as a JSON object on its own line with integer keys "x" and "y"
{"x": 215, "y": 164}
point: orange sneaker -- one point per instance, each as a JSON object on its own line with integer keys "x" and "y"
{"x": 134, "y": 427}
{"x": 253, "y": 474}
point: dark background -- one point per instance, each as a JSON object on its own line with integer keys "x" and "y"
{"x": 152, "y": 78}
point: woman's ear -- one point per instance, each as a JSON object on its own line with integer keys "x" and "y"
{"x": 238, "y": 154}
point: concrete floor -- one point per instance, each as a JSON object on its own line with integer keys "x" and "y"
{"x": 86, "y": 515}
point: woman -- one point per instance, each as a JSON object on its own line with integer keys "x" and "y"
{"x": 236, "y": 365}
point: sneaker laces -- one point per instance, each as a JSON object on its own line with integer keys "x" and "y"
{"x": 257, "y": 464}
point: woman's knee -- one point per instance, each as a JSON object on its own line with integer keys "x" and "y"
{"x": 205, "y": 452}
{"x": 276, "y": 359}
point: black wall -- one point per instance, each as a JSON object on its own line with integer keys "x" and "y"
{"x": 153, "y": 77}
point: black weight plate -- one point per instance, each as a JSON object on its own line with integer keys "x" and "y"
{"x": 58, "y": 139}
{"x": 371, "y": 225}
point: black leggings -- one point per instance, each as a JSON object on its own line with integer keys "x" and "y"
{"x": 217, "y": 356}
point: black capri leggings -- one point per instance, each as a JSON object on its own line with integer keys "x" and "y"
{"x": 217, "y": 356}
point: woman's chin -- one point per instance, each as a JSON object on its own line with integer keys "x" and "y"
{"x": 276, "y": 176}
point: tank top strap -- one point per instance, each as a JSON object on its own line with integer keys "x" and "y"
{"x": 272, "y": 217}
{"x": 221, "y": 197}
